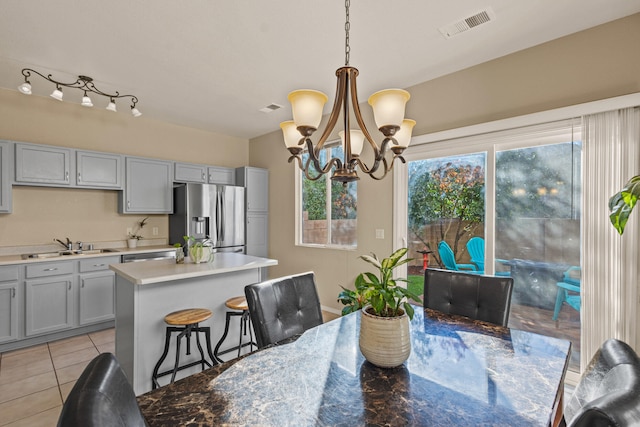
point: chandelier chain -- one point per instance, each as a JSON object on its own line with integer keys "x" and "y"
{"x": 347, "y": 27}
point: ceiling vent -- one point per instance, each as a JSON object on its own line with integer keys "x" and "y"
{"x": 270, "y": 108}
{"x": 468, "y": 23}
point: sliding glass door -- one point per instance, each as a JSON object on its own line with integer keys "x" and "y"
{"x": 505, "y": 204}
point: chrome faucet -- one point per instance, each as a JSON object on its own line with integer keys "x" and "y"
{"x": 79, "y": 246}
{"x": 68, "y": 246}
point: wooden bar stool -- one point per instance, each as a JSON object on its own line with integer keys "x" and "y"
{"x": 185, "y": 322}
{"x": 240, "y": 307}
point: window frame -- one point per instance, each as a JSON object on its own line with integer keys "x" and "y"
{"x": 298, "y": 209}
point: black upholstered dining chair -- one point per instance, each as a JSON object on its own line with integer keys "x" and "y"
{"x": 102, "y": 397}
{"x": 608, "y": 393}
{"x": 283, "y": 308}
{"x": 486, "y": 298}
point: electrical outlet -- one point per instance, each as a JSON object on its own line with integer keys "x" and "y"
{"x": 379, "y": 233}
{"x": 155, "y": 231}
{"x": 128, "y": 230}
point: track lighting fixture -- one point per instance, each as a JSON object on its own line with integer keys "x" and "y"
{"x": 83, "y": 83}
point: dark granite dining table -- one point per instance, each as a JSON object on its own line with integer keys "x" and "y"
{"x": 460, "y": 373}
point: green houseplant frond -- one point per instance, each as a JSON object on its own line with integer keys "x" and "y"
{"x": 622, "y": 203}
{"x": 386, "y": 297}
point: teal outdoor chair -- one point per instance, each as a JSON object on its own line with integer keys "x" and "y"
{"x": 568, "y": 291}
{"x": 475, "y": 247}
{"x": 449, "y": 260}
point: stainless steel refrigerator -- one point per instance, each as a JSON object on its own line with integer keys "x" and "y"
{"x": 209, "y": 212}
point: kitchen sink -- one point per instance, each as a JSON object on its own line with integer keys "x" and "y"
{"x": 67, "y": 253}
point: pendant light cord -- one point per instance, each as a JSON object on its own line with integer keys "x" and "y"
{"x": 347, "y": 27}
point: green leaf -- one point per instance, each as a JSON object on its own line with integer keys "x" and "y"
{"x": 371, "y": 260}
{"x": 622, "y": 203}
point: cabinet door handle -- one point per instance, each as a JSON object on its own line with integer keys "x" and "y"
{"x": 128, "y": 204}
{"x": 99, "y": 265}
{"x": 69, "y": 285}
{"x": 79, "y": 177}
{"x": 13, "y": 292}
{"x": 51, "y": 269}
{"x": 81, "y": 286}
{"x": 204, "y": 175}
{"x": 66, "y": 176}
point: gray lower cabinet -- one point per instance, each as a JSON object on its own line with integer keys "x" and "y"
{"x": 97, "y": 290}
{"x": 48, "y": 305}
{"x": 6, "y": 161}
{"x": 42, "y": 165}
{"x": 98, "y": 170}
{"x": 97, "y": 297}
{"x": 8, "y": 303}
{"x": 148, "y": 186}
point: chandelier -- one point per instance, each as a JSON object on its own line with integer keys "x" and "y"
{"x": 83, "y": 83}
{"x": 388, "y": 110}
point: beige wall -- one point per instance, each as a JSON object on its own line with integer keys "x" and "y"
{"x": 599, "y": 63}
{"x": 40, "y": 214}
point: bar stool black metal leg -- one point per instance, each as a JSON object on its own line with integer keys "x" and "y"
{"x": 197, "y": 331}
{"x": 154, "y": 376}
{"x": 224, "y": 335}
{"x": 212, "y": 355}
{"x": 178, "y": 340}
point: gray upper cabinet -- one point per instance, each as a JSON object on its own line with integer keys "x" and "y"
{"x": 188, "y": 172}
{"x": 98, "y": 170}
{"x": 42, "y": 165}
{"x": 6, "y": 161}
{"x": 256, "y": 181}
{"x": 220, "y": 175}
{"x": 148, "y": 186}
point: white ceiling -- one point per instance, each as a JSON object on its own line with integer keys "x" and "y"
{"x": 213, "y": 64}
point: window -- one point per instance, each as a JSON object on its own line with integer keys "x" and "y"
{"x": 517, "y": 194}
{"x": 327, "y": 209}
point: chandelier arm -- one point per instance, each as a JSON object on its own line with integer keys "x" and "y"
{"x": 371, "y": 171}
{"x": 321, "y": 171}
{"x": 315, "y": 160}
{"x": 341, "y": 89}
{"x": 378, "y": 154}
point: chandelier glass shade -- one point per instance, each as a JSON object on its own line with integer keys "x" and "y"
{"x": 83, "y": 83}
{"x": 388, "y": 110}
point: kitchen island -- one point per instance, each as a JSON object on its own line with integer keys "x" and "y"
{"x": 147, "y": 291}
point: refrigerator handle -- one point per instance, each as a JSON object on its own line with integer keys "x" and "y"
{"x": 220, "y": 215}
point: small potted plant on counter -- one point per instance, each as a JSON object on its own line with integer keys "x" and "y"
{"x": 134, "y": 235}
{"x": 179, "y": 253}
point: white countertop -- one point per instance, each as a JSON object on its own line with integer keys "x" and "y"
{"x": 144, "y": 273}
{"x": 17, "y": 259}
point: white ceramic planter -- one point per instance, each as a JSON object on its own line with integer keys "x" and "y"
{"x": 132, "y": 243}
{"x": 384, "y": 341}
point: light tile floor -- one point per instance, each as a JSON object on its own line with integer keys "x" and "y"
{"x": 34, "y": 381}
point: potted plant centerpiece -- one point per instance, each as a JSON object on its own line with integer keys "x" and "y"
{"x": 199, "y": 251}
{"x": 384, "y": 325}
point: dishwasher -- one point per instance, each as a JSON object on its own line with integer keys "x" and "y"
{"x": 149, "y": 256}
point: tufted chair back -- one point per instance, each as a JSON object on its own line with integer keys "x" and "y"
{"x": 102, "y": 397}
{"x": 284, "y": 307}
{"x": 486, "y": 298}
